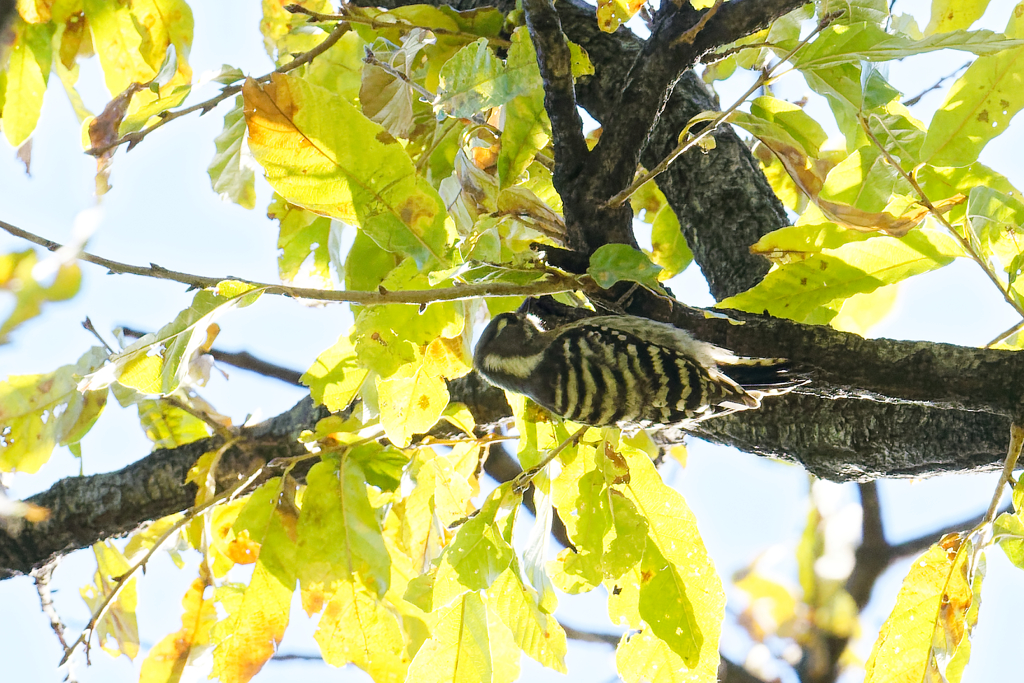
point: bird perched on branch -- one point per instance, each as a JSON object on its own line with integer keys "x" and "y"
{"x": 624, "y": 370}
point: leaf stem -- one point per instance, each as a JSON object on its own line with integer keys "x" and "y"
{"x": 553, "y": 283}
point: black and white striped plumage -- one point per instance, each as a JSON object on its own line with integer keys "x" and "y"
{"x": 608, "y": 370}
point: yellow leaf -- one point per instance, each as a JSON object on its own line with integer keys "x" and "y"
{"x": 28, "y": 69}
{"x": 118, "y": 630}
{"x": 356, "y": 627}
{"x": 168, "y": 660}
{"x": 335, "y": 378}
{"x": 321, "y": 153}
{"x": 253, "y": 629}
{"x": 929, "y": 622}
{"x": 459, "y": 647}
{"x": 411, "y": 402}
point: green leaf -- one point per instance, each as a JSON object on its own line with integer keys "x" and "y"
{"x": 606, "y": 529}
{"x": 303, "y": 241}
{"x": 679, "y": 596}
{"x": 475, "y": 80}
{"x": 793, "y": 120}
{"x": 527, "y": 131}
{"x": 257, "y": 615}
{"x": 356, "y": 171}
{"x": 669, "y": 248}
{"x": 459, "y": 647}
{"x": 945, "y": 182}
{"x": 799, "y": 290}
{"x": 864, "y": 180}
{"x": 357, "y": 627}
{"x": 480, "y": 551}
{"x": 536, "y": 633}
{"x": 411, "y": 402}
{"x": 230, "y": 176}
{"x": 340, "y": 69}
{"x": 38, "y": 412}
{"x": 614, "y": 262}
{"x": 159, "y": 363}
{"x": 1008, "y": 530}
{"x": 118, "y": 44}
{"x": 28, "y": 69}
{"x": 979, "y": 105}
{"x": 839, "y": 44}
{"x": 997, "y": 222}
{"x": 339, "y": 537}
{"x": 335, "y": 377}
{"x": 367, "y": 265}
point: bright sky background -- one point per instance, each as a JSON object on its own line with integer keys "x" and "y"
{"x": 161, "y": 209}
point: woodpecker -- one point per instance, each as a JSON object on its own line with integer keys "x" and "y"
{"x": 624, "y": 370}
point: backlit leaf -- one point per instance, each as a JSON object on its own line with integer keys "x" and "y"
{"x": 536, "y": 633}
{"x": 480, "y": 551}
{"x": 339, "y": 536}
{"x": 118, "y": 43}
{"x": 356, "y": 627}
{"x": 929, "y": 622}
{"x": 169, "y": 660}
{"x": 304, "y": 258}
{"x": 979, "y": 105}
{"x": 680, "y": 594}
{"x": 28, "y": 70}
{"x": 950, "y": 15}
{"x": 232, "y": 178}
{"x": 612, "y": 13}
{"x": 411, "y": 402}
{"x": 257, "y": 615}
{"x": 356, "y": 172}
{"x": 18, "y": 272}
{"x": 335, "y": 377}
{"x": 118, "y": 630}
{"x": 799, "y": 289}
{"x": 159, "y": 363}
{"x": 614, "y": 262}
{"x": 168, "y": 426}
{"x": 38, "y": 412}
{"x": 459, "y": 649}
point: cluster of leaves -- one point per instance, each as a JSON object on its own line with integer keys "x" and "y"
{"x": 436, "y": 149}
{"x": 896, "y": 198}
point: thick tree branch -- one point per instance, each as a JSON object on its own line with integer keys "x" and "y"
{"x": 555, "y": 62}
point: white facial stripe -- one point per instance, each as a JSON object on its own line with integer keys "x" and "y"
{"x": 517, "y": 366}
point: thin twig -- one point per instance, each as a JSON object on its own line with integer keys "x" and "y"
{"x": 923, "y": 198}
{"x": 938, "y": 84}
{"x": 42, "y": 576}
{"x": 690, "y": 34}
{"x": 1012, "y": 455}
{"x": 87, "y": 324}
{"x": 526, "y": 476}
{"x": 712, "y": 57}
{"x": 228, "y": 91}
{"x": 553, "y": 283}
{"x": 123, "y": 580}
{"x": 764, "y": 78}
{"x": 393, "y": 22}
{"x": 241, "y": 359}
{"x": 1006, "y": 334}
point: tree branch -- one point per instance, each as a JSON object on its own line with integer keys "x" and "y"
{"x": 553, "y": 282}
